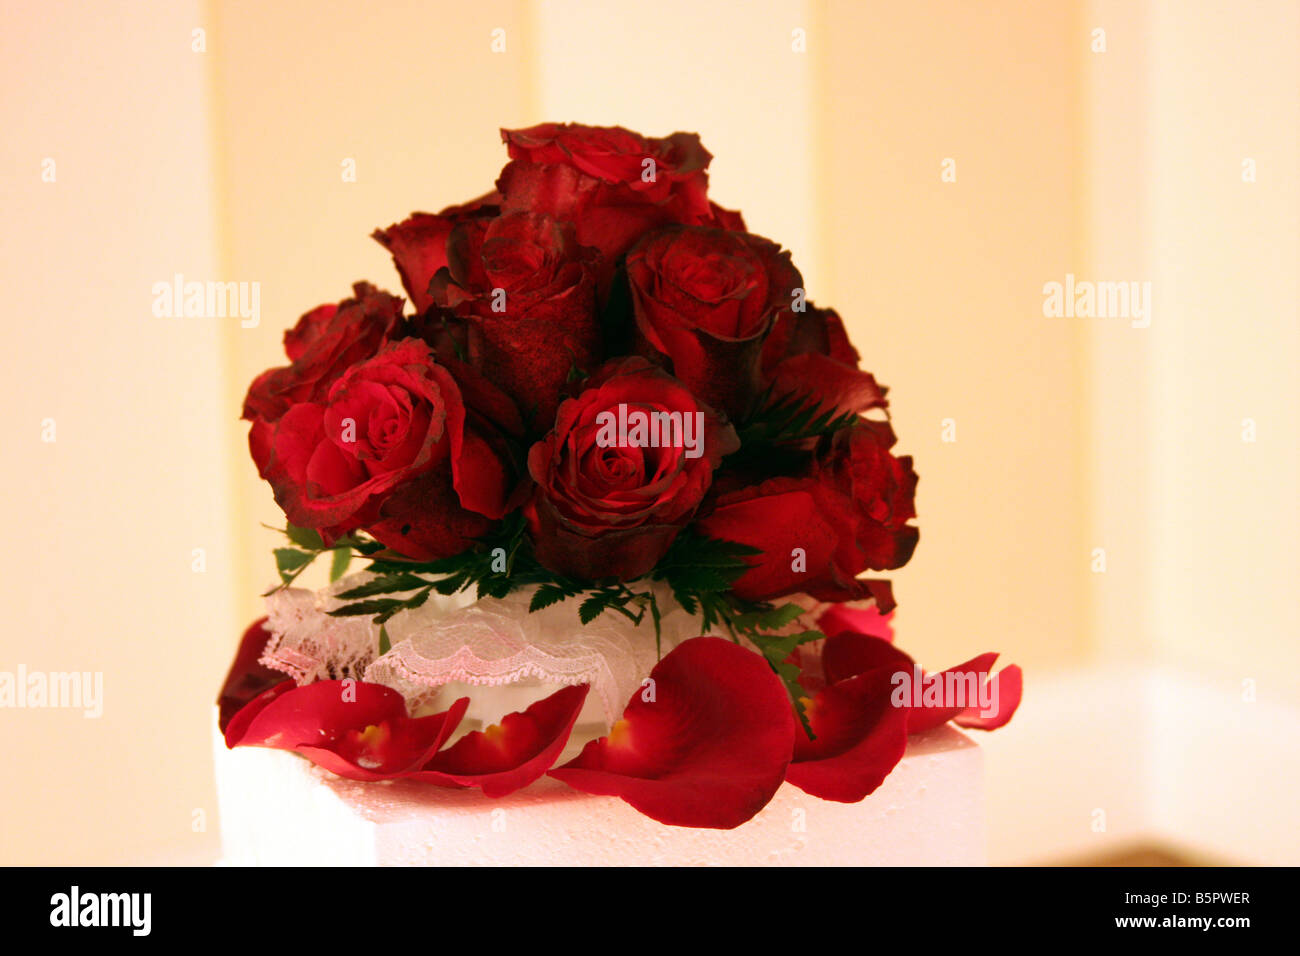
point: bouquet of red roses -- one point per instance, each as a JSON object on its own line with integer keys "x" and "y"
{"x": 606, "y": 399}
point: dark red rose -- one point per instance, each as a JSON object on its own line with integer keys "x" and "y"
{"x": 325, "y": 343}
{"x": 704, "y": 300}
{"x": 809, "y": 354}
{"x": 613, "y": 184}
{"x": 525, "y": 292}
{"x": 609, "y": 504}
{"x": 388, "y": 450}
{"x": 847, "y": 513}
{"x": 419, "y": 244}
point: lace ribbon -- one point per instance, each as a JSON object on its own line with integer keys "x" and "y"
{"x": 493, "y": 650}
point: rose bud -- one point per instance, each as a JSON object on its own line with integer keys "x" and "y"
{"x": 627, "y": 464}
{"x": 845, "y": 514}
{"x": 704, "y": 301}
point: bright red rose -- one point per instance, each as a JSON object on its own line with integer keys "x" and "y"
{"x": 419, "y": 244}
{"x": 388, "y": 450}
{"x": 526, "y": 294}
{"x": 809, "y": 354}
{"x": 847, "y": 513}
{"x": 325, "y": 343}
{"x": 610, "y": 501}
{"x": 613, "y": 184}
{"x": 704, "y": 301}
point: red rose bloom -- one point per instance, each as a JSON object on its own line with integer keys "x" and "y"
{"x": 809, "y": 354}
{"x": 704, "y": 301}
{"x": 527, "y": 293}
{"x": 818, "y": 531}
{"x": 613, "y": 184}
{"x": 608, "y": 504}
{"x": 419, "y": 244}
{"x": 388, "y": 451}
{"x": 324, "y": 344}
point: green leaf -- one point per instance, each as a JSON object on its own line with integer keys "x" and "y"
{"x": 767, "y": 619}
{"x": 384, "y": 645}
{"x": 789, "y": 419}
{"x": 545, "y": 596}
{"x": 386, "y": 584}
{"x": 593, "y": 607}
{"x": 308, "y": 538}
{"x": 776, "y": 648}
{"x": 376, "y": 606}
{"x": 339, "y": 566}
{"x": 289, "y": 561}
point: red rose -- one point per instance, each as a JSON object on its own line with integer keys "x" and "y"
{"x": 613, "y": 184}
{"x": 419, "y": 244}
{"x": 526, "y": 292}
{"x": 623, "y": 471}
{"x": 325, "y": 343}
{"x": 809, "y": 354}
{"x": 705, "y": 300}
{"x": 846, "y": 514}
{"x": 388, "y": 450}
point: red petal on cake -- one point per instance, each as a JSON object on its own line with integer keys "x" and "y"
{"x": 1006, "y": 686}
{"x": 849, "y": 654}
{"x": 860, "y": 737}
{"x": 353, "y": 728}
{"x": 512, "y": 754}
{"x": 237, "y": 728}
{"x": 247, "y": 678}
{"x": 839, "y": 618}
{"x": 928, "y": 716}
{"x": 704, "y": 743}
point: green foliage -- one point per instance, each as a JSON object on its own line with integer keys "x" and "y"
{"x": 790, "y": 419}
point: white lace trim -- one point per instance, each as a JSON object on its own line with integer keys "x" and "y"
{"x": 454, "y": 641}
{"x": 497, "y": 642}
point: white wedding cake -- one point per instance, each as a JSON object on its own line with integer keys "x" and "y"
{"x": 277, "y": 808}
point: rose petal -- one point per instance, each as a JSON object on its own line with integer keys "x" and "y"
{"x": 928, "y": 716}
{"x": 247, "y": 678}
{"x": 1007, "y": 686}
{"x": 860, "y": 737}
{"x": 708, "y": 748}
{"x": 352, "y": 728}
{"x": 512, "y": 754}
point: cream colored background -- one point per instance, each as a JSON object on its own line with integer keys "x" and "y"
{"x": 1072, "y": 434}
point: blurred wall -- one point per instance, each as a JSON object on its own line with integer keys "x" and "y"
{"x": 941, "y": 285}
{"x": 118, "y": 549}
